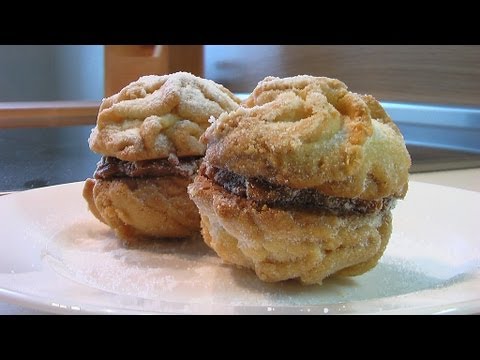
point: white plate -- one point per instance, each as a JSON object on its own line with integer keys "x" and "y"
{"x": 55, "y": 256}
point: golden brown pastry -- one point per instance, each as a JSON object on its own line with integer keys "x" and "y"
{"x": 148, "y": 135}
{"x": 299, "y": 182}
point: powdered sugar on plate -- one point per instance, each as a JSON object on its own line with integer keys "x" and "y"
{"x": 187, "y": 271}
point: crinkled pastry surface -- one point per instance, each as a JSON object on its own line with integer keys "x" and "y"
{"x": 159, "y": 115}
{"x": 311, "y": 132}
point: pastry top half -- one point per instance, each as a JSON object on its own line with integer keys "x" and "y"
{"x": 309, "y": 132}
{"x": 156, "y": 116}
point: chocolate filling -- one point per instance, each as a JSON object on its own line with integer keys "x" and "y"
{"x": 264, "y": 192}
{"x": 110, "y": 167}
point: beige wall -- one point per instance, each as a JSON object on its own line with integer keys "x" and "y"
{"x": 412, "y": 73}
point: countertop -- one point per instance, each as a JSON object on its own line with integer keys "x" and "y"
{"x": 37, "y": 157}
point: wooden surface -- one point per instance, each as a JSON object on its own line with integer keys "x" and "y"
{"x": 126, "y": 63}
{"x": 412, "y": 73}
{"x": 48, "y": 113}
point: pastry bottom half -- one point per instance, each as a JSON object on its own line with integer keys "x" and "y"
{"x": 280, "y": 244}
{"x": 137, "y": 208}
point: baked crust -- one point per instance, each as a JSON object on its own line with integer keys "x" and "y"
{"x": 158, "y": 115}
{"x": 311, "y": 132}
{"x": 138, "y": 208}
{"x": 280, "y": 245}
{"x": 149, "y": 121}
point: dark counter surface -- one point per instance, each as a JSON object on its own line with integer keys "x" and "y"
{"x": 36, "y": 157}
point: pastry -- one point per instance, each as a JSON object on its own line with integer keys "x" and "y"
{"x": 299, "y": 182}
{"x": 148, "y": 136}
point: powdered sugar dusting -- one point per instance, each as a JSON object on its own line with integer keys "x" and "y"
{"x": 186, "y": 271}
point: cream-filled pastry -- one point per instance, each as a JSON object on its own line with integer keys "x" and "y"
{"x": 299, "y": 182}
{"x": 148, "y": 135}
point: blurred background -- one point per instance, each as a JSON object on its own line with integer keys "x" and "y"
{"x": 49, "y": 95}
{"x": 400, "y": 73}
{"x": 51, "y": 72}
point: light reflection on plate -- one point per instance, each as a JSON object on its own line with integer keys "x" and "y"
{"x": 55, "y": 256}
